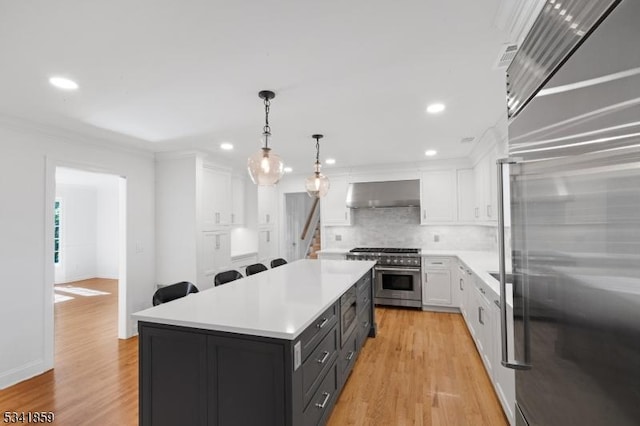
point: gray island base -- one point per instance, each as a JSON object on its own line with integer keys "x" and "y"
{"x": 275, "y": 348}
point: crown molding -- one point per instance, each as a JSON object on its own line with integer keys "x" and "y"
{"x": 120, "y": 143}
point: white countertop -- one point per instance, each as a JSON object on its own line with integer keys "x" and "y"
{"x": 480, "y": 262}
{"x": 279, "y": 302}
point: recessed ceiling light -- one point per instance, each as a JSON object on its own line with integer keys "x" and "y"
{"x": 430, "y": 152}
{"x": 435, "y": 108}
{"x": 288, "y": 169}
{"x": 226, "y": 146}
{"x": 63, "y": 83}
{"x": 330, "y": 161}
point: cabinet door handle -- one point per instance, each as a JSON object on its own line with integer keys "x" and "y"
{"x": 217, "y": 242}
{"x": 350, "y": 355}
{"x": 477, "y": 212}
{"x": 322, "y": 360}
{"x": 268, "y": 236}
{"x": 461, "y": 284}
{"x": 322, "y": 323}
{"x": 424, "y": 213}
{"x": 426, "y": 277}
{"x": 480, "y": 320}
{"x": 488, "y": 210}
{"x": 268, "y": 217}
{"x": 482, "y": 291}
{"x": 324, "y": 402}
{"x": 345, "y": 215}
{"x": 233, "y": 218}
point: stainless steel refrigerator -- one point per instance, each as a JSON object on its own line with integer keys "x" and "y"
{"x": 574, "y": 237}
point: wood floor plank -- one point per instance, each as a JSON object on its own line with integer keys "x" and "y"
{"x": 421, "y": 370}
{"x": 95, "y": 379}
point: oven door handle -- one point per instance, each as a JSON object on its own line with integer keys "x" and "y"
{"x": 397, "y": 269}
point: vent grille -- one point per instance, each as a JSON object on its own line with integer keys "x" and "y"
{"x": 467, "y": 139}
{"x": 506, "y": 55}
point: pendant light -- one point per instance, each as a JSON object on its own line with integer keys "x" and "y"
{"x": 317, "y": 184}
{"x": 265, "y": 167}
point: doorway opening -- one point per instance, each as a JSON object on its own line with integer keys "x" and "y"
{"x": 302, "y": 216}
{"x": 89, "y": 259}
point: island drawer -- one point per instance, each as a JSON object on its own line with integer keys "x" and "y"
{"x": 322, "y": 400}
{"x": 320, "y": 360}
{"x": 364, "y": 319}
{"x": 348, "y": 356}
{"x": 364, "y": 282}
{"x": 313, "y": 334}
{"x": 363, "y": 298}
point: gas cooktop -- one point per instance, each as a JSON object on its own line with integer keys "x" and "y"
{"x": 385, "y": 250}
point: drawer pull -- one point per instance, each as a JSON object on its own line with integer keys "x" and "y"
{"x": 350, "y": 356}
{"x": 324, "y": 358}
{"x": 322, "y": 323}
{"x": 327, "y": 395}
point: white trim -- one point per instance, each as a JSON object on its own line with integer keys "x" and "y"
{"x": 115, "y": 142}
{"x": 23, "y": 372}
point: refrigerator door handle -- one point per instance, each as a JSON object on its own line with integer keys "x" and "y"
{"x": 516, "y": 365}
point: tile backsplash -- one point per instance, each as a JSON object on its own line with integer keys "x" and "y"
{"x": 400, "y": 227}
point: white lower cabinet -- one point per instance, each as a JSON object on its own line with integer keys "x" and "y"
{"x": 266, "y": 244}
{"x": 504, "y": 379}
{"x": 483, "y": 317}
{"x": 479, "y": 305}
{"x": 215, "y": 256}
{"x": 437, "y": 286}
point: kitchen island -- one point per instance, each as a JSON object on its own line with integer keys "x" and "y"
{"x": 274, "y": 348}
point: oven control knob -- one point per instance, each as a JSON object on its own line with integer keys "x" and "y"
{"x": 401, "y": 260}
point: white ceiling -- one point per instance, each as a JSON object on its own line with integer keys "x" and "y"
{"x": 171, "y": 75}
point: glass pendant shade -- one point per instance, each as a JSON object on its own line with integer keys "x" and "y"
{"x": 317, "y": 185}
{"x": 265, "y": 167}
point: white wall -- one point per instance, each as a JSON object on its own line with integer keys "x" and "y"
{"x": 176, "y": 219}
{"x": 28, "y": 158}
{"x": 78, "y": 233}
{"x": 89, "y": 228}
{"x": 107, "y": 230}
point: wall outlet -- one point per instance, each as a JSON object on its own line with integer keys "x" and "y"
{"x": 338, "y": 237}
{"x": 436, "y": 238}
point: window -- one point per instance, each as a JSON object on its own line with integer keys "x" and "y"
{"x": 56, "y": 231}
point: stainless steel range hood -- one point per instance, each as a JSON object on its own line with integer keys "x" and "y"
{"x": 397, "y": 193}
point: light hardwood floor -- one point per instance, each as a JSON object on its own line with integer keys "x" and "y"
{"x": 421, "y": 369}
{"x": 95, "y": 379}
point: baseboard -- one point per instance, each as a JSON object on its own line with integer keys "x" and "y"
{"x": 21, "y": 373}
{"x": 447, "y": 309}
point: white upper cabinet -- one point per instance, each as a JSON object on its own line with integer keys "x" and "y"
{"x": 438, "y": 196}
{"x": 216, "y": 198}
{"x": 466, "y": 195}
{"x": 267, "y": 205}
{"x": 333, "y": 206}
{"x": 485, "y": 176}
{"x": 237, "y": 200}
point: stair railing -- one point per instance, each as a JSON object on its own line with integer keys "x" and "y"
{"x": 311, "y": 224}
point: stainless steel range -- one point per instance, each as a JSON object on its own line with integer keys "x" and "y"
{"x": 398, "y": 277}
